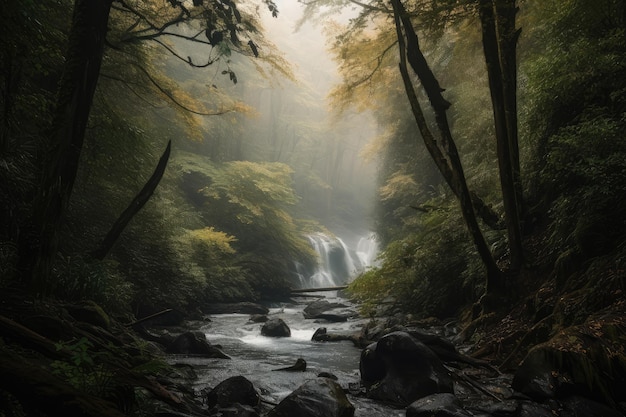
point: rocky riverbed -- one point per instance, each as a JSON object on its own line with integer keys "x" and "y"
{"x": 223, "y": 365}
{"x": 385, "y": 367}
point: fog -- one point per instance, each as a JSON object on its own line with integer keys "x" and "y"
{"x": 336, "y": 182}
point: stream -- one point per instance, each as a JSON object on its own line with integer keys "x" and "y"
{"x": 256, "y": 357}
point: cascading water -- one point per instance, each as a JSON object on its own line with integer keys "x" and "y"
{"x": 338, "y": 262}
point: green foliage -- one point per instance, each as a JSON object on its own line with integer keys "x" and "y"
{"x": 576, "y": 101}
{"x": 248, "y": 203}
{"x": 80, "y": 278}
{"x": 82, "y": 371}
{"x": 415, "y": 273}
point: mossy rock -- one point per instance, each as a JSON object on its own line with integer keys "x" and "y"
{"x": 89, "y": 312}
{"x": 587, "y": 360}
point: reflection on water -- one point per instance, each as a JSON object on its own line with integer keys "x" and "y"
{"x": 256, "y": 357}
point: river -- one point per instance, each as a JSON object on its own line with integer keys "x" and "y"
{"x": 257, "y": 357}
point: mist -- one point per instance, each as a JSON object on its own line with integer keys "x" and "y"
{"x": 297, "y": 126}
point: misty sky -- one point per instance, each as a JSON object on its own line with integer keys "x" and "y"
{"x": 304, "y": 47}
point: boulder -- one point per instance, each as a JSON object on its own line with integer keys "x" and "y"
{"x": 320, "y": 397}
{"x": 439, "y": 405}
{"x": 194, "y": 343}
{"x": 275, "y": 327}
{"x": 400, "y": 369}
{"x": 314, "y": 309}
{"x": 236, "y": 389}
{"x": 232, "y": 308}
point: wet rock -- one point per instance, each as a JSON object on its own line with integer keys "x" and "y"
{"x": 400, "y": 369}
{"x": 320, "y": 397}
{"x": 437, "y": 405}
{"x": 338, "y": 317}
{"x": 236, "y": 389}
{"x": 194, "y": 343}
{"x": 327, "y": 375}
{"x": 299, "y": 366}
{"x": 236, "y": 410}
{"x": 258, "y": 318}
{"x": 532, "y": 409}
{"x": 314, "y": 309}
{"x": 275, "y": 327}
{"x": 231, "y": 308}
{"x": 495, "y": 408}
{"x": 322, "y": 335}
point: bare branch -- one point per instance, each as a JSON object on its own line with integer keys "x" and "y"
{"x": 187, "y": 60}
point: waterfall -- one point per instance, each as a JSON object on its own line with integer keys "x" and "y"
{"x": 338, "y": 262}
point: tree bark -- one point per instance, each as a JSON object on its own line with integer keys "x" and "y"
{"x": 138, "y": 202}
{"x": 76, "y": 91}
{"x": 451, "y": 168}
{"x": 499, "y": 51}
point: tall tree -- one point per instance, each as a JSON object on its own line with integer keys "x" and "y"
{"x": 77, "y": 88}
{"x": 446, "y": 157}
{"x": 499, "y": 36}
{"x": 217, "y": 21}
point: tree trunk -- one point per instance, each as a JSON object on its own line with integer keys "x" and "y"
{"x": 77, "y": 87}
{"x": 451, "y": 168}
{"x": 500, "y": 70}
{"x": 138, "y": 202}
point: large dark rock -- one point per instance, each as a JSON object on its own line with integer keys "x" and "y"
{"x": 275, "y": 327}
{"x": 321, "y": 397}
{"x": 400, "y": 369}
{"x": 230, "y": 308}
{"x": 236, "y": 389}
{"x": 314, "y": 309}
{"x": 437, "y": 405}
{"x": 194, "y": 343}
